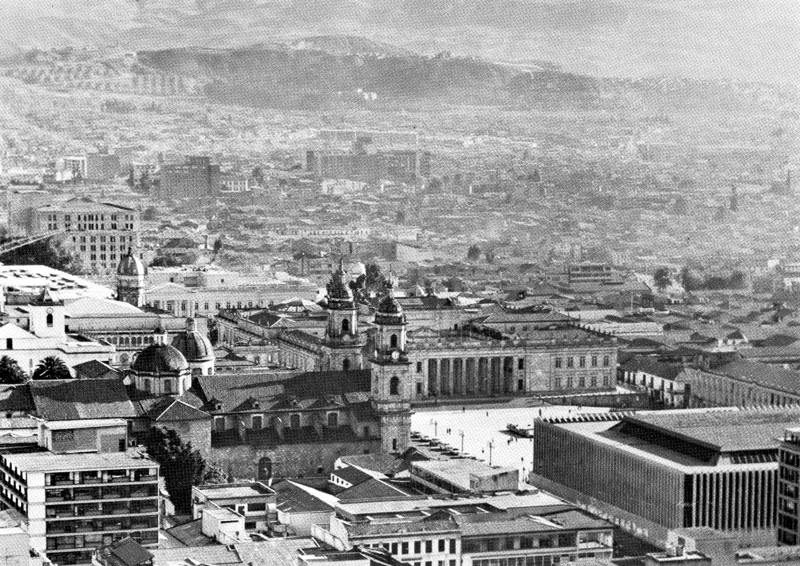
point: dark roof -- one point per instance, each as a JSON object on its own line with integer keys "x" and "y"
{"x": 652, "y": 366}
{"x": 291, "y": 498}
{"x": 723, "y": 430}
{"x": 777, "y": 340}
{"x": 70, "y": 399}
{"x": 94, "y": 369}
{"x": 191, "y": 534}
{"x": 371, "y": 490}
{"x": 351, "y": 475}
{"x": 16, "y": 398}
{"x": 765, "y": 375}
{"x": 387, "y": 464}
{"x": 160, "y": 358}
{"x": 129, "y": 552}
{"x": 173, "y": 410}
{"x": 327, "y": 382}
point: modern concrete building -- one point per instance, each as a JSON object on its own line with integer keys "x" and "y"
{"x": 652, "y": 473}
{"x": 195, "y": 178}
{"x": 255, "y": 501}
{"x": 789, "y": 488}
{"x": 81, "y": 489}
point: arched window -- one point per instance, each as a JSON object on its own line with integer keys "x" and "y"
{"x": 393, "y": 341}
{"x": 345, "y": 365}
{"x": 394, "y": 386}
{"x": 345, "y": 326}
{"x": 147, "y": 385}
{"x": 333, "y": 419}
{"x": 294, "y": 421}
{"x": 49, "y": 320}
{"x": 167, "y": 386}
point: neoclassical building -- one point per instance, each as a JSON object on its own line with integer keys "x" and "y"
{"x": 342, "y": 346}
{"x": 161, "y": 369}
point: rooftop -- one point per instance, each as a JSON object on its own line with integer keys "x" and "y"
{"x": 50, "y": 462}
{"x": 235, "y": 490}
{"x": 458, "y": 471}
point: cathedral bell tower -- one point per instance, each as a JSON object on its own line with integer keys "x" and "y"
{"x": 342, "y": 339}
{"x": 391, "y": 375}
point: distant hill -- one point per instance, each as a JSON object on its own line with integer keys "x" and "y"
{"x": 739, "y": 39}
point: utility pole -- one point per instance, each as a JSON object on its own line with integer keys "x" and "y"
{"x": 461, "y": 434}
{"x": 491, "y": 445}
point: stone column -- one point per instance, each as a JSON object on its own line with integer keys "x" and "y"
{"x": 444, "y": 372}
{"x": 433, "y": 381}
{"x": 470, "y": 374}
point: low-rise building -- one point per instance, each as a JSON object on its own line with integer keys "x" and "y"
{"x": 255, "y": 501}
{"x": 666, "y": 383}
{"x": 462, "y": 476}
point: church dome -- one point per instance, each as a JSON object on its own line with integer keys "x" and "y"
{"x": 389, "y": 310}
{"x": 160, "y": 358}
{"x": 192, "y": 344}
{"x": 130, "y": 265}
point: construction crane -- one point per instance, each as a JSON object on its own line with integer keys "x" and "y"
{"x": 17, "y": 243}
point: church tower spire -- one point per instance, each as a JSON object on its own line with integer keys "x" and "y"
{"x": 342, "y": 336}
{"x": 391, "y": 374}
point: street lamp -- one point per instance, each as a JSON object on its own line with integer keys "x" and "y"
{"x": 435, "y": 427}
{"x": 461, "y": 434}
{"x": 491, "y": 445}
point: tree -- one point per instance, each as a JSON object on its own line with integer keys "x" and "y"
{"x": 214, "y": 474}
{"x": 661, "y": 278}
{"x": 373, "y": 278}
{"x": 52, "y": 367}
{"x": 181, "y": 465}
{"x": 150, "y": 214}
{"x": 689, "y": 281}
{"x": 10, "y": 372}
{"x": 131, "y": 178}
{"x": 50, "y": 253}
{"x": 473, "y": 253}
{"x": 217, "y": 247}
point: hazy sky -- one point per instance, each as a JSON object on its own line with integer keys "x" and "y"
{"x": 744, "y": 39}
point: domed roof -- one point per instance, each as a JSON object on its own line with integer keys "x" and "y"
{"x": 389, "y": 309}
{"x": 389, "y": 305}
{"x": 192, "y": 344}
{"x": 160, "y": 358}
{"x": 130, "y": 265}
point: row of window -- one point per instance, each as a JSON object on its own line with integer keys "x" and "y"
{"x": 520, "y": 561}
{"x": 101, "y": 239}
{"x": 441, "y": 545}
{"x": 570, "y": 382}
{"x": 184, "y": 305}
{"x": 582, "y": 361}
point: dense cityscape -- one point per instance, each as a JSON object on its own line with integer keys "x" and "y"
{"x": 322, "y": 298}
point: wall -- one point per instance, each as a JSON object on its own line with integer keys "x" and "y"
{"x": 287, "y": 459}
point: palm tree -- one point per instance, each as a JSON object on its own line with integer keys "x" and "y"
{"x": 10, "y": 372}
{"x": 52, "y": 367}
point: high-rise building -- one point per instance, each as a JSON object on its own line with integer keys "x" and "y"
{"x": 100, "y": 233}
{"x": 196, "y": 177}
{"x": 80, "y": 489}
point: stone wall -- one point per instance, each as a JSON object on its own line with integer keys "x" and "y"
{"x": 286, "y": 459}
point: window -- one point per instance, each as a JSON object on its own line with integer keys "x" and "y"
{"x": 167, "y": 386}
{"x": 452, "y": 546}
{"x": 345, "y": 365}
{"x": 521, "y": 363}
{"x": 606, "y": 361}
{"x": 605, "y": 380}
{"x": 345, "y": 326}
{"x": 417, "y": 547}
{"x": 558, "y": 362}
{"x": 147, "y": 385}
{"x": 441, "y": 544}
{"x": 394, "y": 445}
{"x": 594, "y": 361}
{"x": 393, "y": 341}
{"x": 419, "y": 388}
{"x": 569, "y": 382}
{"x": 582, "y": 361}
{"x": 428, "y": 547}
{"x": 294, "y": 421}
{"x": 419, "y": 367}
{"x": 404, "y": 548}
{"x": 594, "y": 381}
{"x": 258, "y": 422}
{"x": 394, "y": 386}
{"x": 49, "y": 320}
{"x": 582, "y": 381}
{"x": 333, "y": 419}
{"x": 570, "y": 362}
{"x": 557, "y": 383}
{"x": 219, "y": 424}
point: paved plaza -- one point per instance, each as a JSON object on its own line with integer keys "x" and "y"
{"x": 484, "y": 426}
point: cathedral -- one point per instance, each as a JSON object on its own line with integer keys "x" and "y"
{"x": 283, "y": 423}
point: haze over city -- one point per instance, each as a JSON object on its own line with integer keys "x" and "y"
{"x": 399, "y": 283}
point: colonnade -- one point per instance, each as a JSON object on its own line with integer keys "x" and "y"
{"x": 474, "y": 375}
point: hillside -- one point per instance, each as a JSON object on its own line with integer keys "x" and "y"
{"x": 755, "y": 40}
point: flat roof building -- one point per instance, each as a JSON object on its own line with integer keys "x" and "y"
{"x": 655, "y": 472}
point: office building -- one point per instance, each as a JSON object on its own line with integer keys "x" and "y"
{"x": 194, "y": 178}
{"x": 99, "y": 233}
{"x": 789, "y": 488}
{"x": 656, "y": 472}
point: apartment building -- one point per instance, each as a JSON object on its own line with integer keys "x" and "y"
{"x": 80, "y": 488}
